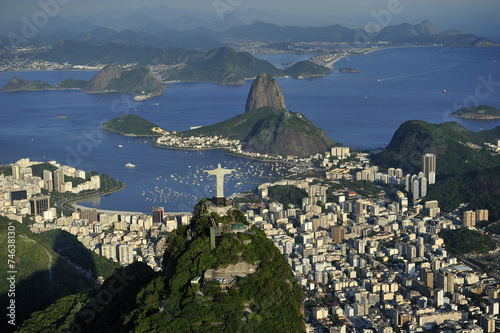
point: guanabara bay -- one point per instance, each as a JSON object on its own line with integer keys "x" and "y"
{"x": 250, "y": 166}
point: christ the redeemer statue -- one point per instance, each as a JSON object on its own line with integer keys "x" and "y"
{"x": 219, "y": 174}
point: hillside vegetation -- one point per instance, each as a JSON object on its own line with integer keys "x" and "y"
{"x": 287, "y": 195}
{"x": 42, "y": 275}
{"x": 168, "y": 301}
{"x": 306, "y": 68}
{"x": 270, "y": 131}
{"x": 111, "y": 78}
{"x": 451, "y": 142}
{"x": 68, "y": 246}
{"x": 16, "y": 84}
{"x": 132, "y": 125}
{"x": 477, "y": 112}
{"x": 480, "y": 189}
{"x": 465, "y": 241}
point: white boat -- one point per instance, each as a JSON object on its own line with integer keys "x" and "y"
{"x": 130, "y": 165}
{"x": 120, "y": 146}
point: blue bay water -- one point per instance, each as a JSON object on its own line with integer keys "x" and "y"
{"x": 360, "y": 110}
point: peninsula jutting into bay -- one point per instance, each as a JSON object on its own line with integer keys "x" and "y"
{"x": 480, "y": 112}
{"x": 139, "y": 82}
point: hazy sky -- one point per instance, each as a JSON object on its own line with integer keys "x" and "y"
{"x": 467, "y": 15}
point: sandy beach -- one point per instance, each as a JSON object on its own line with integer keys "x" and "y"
{"x": 332, "y": 62}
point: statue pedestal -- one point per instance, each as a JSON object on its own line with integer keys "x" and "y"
{"x": 220, "y": 210}
{"x": 219, "y": 202}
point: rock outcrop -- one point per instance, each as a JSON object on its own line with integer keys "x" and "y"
{"x": 101, "y": 80}
{"x": 265, "y": 91}
{"x": 267, "y": 127}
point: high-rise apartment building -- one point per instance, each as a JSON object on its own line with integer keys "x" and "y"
{"x": 58, "y": 180}
{"x": 39, "y": 205}
{"x": 158, "y": 214}
{"x": 90, "y": 215}
{"x": 429, "y": 165}
{"x": 469, "y": 218}
{"x": 16, "y": 171}
{"x": 338, "y": 234}
{"x": 482, "y": 215}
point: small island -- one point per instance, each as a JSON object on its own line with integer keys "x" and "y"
{"x": 349, "y": 70}
{"x": 306, "y": 69}
{"x": 140, "y": 82}
{"x": 481, "y": 112}
{"x": 132, "y": 125}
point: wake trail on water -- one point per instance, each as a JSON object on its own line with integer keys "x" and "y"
{"x": 453, "y": 64}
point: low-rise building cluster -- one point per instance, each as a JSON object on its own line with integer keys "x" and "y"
{"x": 381, "y": 261}
{"x": 172, "y": 140}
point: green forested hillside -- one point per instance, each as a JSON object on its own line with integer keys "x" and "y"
{"x": 452, "y": 143}
{"x": 16, "y": 84}
{"x": 480, "y": 189}
{"x": 477, "y": 112}
{"x": 271, "y": 131}
{"x": 306, "y": 69}
{"x": 223, "y": 65}
{"x": 287, "y": 195}
{"x": 139, "y": 300}
{"x": 130, "y": 124}
{"x": 138, "y": 81}
{"x": 465, "y": 241}
{"x": 42, "y": 275}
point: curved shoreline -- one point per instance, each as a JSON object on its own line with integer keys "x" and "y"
{"x": 226, "y": 152}
{"x": 69, "y": 203}
{"x": 332, "y": 62}
{"x": 131, "y": 135}
{"x": 476, "y": 118}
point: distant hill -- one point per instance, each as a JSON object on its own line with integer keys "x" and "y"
{"x": 267, "y": 128}
{"x": 109, "y": 79}
{"x": 131, "y": 125}
{"x": 451, "y": 142}
{"x": 189, "y": 295}
{"x": 167, "y": 40}
{"x": 405, "y": 33}
{"x": 42, "y": 275}
{"x": 100, "y": 36}
{"x": 16, "y": 84}
{"x": 483, "y": 112}
{"x": 79, "y": 53}
{"x": 223, "y": 65}
{"x": 306, "y": 68}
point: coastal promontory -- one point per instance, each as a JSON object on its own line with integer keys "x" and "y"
{"x": 132, "y": 125}
{"x": 481, "y": 112}
{"x": 140, "y": 82}
{"x": 267, "y": 127}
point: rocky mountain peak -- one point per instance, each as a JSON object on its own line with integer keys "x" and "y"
{"x": 101, "y": 80}
{"x": 265, "y": 91}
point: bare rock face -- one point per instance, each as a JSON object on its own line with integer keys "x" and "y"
{"x": 265, "y": 91}
{"x": 101, "y": 80}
